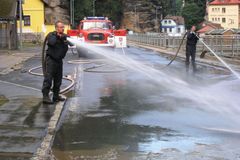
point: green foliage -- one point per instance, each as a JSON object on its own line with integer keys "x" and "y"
{"x": 82, "y": 8}
{"x": 108, "y": 8}
{"x": 111, "y": 9}
{"x": 179, "y": 7}
{"x": 193, "y": 14}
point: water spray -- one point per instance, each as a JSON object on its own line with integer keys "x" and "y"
{"x": 219, "y": 58}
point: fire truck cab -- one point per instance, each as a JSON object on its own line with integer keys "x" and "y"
{"x": 98, "y": 31}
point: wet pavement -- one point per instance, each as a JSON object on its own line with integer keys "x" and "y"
{"x": 115, "y": 113}
{"x": 23, "y": 117}
{"x": 125, "y": 115}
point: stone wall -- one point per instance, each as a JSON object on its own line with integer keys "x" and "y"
{"x": 56, "y": 10}
{"x": 140, "y": 15}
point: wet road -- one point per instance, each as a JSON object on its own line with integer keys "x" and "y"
{"x": 114, "y": 112}
{"x": 127, "y": 116}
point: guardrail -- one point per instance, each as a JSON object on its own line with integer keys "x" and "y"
{"x": 223, "y": 45}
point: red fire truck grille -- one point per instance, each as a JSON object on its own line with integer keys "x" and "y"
{"x": 96, "y": 36}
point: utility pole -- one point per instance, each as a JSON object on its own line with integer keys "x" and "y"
{"x": 20, "y": 21}
{"x": 157, "y": 7}
{"x": 94, "y": 7}
{"x": 135, "y": 8}
{"x": 72, "y": 12}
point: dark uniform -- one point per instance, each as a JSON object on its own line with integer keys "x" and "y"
{"x": 57, "y": 49}
{"x": 192, "y": 40}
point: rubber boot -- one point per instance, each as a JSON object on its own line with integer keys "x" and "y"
{"x": 57, "y": 98}
{"x": 47, "y": 100}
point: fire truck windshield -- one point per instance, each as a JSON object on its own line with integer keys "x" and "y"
{"x": 90, "y": 25}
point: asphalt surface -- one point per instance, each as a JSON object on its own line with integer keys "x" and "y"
{"x": 126, "y": 115}
{"x": 114, "y": 112}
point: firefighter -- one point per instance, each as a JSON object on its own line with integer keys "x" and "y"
{"x": 57, "y": 49}
{"x": 192, "y": 40}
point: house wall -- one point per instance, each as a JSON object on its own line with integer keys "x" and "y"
{"x": 35, "y": 9}
{"x": 216, "y": 14}
{"x": 170, "y": 27}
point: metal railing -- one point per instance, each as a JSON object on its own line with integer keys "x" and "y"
{"x": 223, "y": 45}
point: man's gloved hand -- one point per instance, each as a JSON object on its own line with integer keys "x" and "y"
{"x": 64, "y": 37}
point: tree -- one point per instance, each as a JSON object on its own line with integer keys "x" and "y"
{"x": 179, "y": 5}
{"x": 108, "y": 8}
{"x": 111, "y": 9}
{"x": 82, "y": 8}
{"x": 192, "y": 14}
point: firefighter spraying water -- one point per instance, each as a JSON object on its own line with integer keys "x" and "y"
{"x": 57, "y": 49}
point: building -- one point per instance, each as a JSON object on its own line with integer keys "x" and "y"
{"x": 173, "y": 25}
{"x": 225, "y": 12}
{"x": 8, "y": 24}
{"x": 224, "y": 32}
{"x": 208, "y": 26}
{"x": 35, "y": 22}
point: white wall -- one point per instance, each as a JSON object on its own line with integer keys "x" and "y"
{"x": 172, "y": 24}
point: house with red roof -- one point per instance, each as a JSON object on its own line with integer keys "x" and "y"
{"x": 225, "y": 12}
{"x": 207, "y": 26}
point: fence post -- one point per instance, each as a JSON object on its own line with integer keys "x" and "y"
{"x": 232, "y": 47}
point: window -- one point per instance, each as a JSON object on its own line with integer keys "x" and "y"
{"x": 165, "y": 22}
{"x": 170, "y": 30}
{"x": 223, "y": 20}
{"x": 90, "y": 25}
{"x": 165, "y": 30}
{"x": 27, "y": 20}
{"x": 179, "y": 30}
{"x": 213, "y": 9}
{"x": 169, "y": 21}
{"x": 223, "y": 10}
{"x": 212, "y": 19}
{"x": 219, "y": 19}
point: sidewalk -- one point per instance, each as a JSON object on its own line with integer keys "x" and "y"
{"x": 13, "y": 59}
{"x": 27, "y": 126}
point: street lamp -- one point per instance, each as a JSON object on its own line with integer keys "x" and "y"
{"x": 94, "y": 7}
{"x": 136, "y": 15}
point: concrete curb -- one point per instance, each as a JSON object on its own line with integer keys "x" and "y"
{"x": 44, "y": 152}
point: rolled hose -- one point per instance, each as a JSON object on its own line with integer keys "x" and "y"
{"x": 92, "y": 69}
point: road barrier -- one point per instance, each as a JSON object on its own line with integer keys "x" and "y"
{"x": 223, "y": 45}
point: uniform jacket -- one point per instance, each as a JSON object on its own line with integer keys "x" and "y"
{"x": 57, "y": 46}
{"x": 192, "y": 39}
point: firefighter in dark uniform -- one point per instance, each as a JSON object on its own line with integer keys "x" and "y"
{"x": 57, "y": 49}
{"x": 192, "y": 40}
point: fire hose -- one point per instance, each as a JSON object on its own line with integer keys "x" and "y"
{"x": 176, "y": 54}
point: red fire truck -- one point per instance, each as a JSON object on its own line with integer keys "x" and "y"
{"x": 98, "y": 31}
